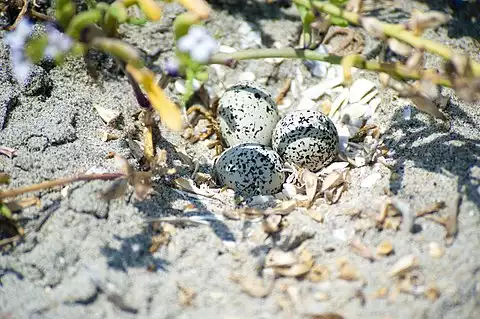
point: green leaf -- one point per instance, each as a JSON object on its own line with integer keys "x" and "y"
{"x": 5, "y": 211}
{"x": 118, "y": 11}
{"x": 339, "y": 21}
{"x": 338, "y": 3}
{"x": 307, "y": 17}
{"x": 137, "y": 21}
{"x": 35, "y": 48}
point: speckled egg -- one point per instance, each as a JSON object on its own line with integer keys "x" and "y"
{"x": 247, "y": 114}
{"x": 307, "y": 138}
{"x": 250, "y": 169}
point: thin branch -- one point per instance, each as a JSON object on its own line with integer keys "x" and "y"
{"x": 58, "y": 182}
{"x": 396, "y": 70}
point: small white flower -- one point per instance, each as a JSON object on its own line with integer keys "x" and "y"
{"x": 198, "y": 43}
{"x": 407, "y": 113}
{"x": 17, "y": 40}
{"x": 57, "y": 43}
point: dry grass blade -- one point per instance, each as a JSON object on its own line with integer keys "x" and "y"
{"x": 433, "y": 208}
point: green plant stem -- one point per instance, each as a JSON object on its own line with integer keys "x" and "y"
{"x": 391, "y": 30}
{"x": 396, "y": 70}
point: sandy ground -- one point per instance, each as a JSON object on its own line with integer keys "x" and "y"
{"x": 86, "y": 258}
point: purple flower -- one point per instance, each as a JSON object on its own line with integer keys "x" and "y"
{"x": 198, "y": 43}
{"x": 172, "y": 67}
{"x": 58, "y": 43}
{"x": 17, "y": 40}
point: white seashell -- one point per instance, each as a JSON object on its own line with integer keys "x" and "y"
{"x": 335, "y": 166}
{"x": 320, "y": 89}
{"x": 180, "y": 87}
{"x": 355, "y": 111}
{"x": 305, "y": 104}
{"x": 359, "y": 89}
{"x": 247, "y": 76}
{"x": 367, "y": 98}
{"x": 339, "y": 102}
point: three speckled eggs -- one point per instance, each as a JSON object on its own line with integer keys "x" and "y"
{"x": 250, "y": 124}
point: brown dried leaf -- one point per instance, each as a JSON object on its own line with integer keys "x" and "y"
{"x": 430, "y": 209}
{"x": 124, "y": 166}
{"x": 18, "y": 205}
{"x": 426, "y": 105}
{"x": 403, "y": 265}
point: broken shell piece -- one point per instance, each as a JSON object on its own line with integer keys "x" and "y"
{"x": 405, "y": 264}
{"x": 359, "y": 89}
{"x": 293, "y": 271}
{"x": 189, "y": 186}
{"x": 318, "y": 273}
{"x": 340, "y": 101}
{"x": 347, "y": 270}
{"x": 436, "y": 251}
{"x": 385, "y": 248}
{"x": 108, "y": 116}
{"x": 278, "y": 258}
{"x": 272, "y": 224}
{"x": 315, "y": 215}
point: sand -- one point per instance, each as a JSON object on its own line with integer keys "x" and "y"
{"x": 86, "y": 258}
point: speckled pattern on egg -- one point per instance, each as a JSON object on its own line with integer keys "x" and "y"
{"x": 307, "y": 138}
{"x": 250, "y": 169}
{"x": 247, "y": 114}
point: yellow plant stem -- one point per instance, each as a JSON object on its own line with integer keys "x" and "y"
{"x": 396, "y": 31}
